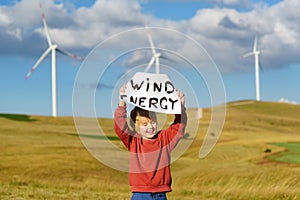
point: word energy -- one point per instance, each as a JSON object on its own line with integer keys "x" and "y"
{"x": 153, "y": 92}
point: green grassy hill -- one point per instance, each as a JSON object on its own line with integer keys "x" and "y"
{"x": 44, "y": 158}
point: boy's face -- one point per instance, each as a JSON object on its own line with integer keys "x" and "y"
{"x": 145, "y": 126}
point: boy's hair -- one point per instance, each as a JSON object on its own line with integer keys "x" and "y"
{"x": 141, "y": 112}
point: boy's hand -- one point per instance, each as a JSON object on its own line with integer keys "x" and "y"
{"x": 121, "y": 92}
{"x": 181, "y": 97}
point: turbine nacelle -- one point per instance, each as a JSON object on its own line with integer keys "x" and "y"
{"x": 157, "y": 55}
{"x": 54, "y": 46}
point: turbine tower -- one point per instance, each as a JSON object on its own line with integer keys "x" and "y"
{"x": 52, "y": 48}
{"x": 256, "y": 54}
{"x": 155, "y": 56}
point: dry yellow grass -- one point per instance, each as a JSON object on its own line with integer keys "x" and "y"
{"x": 43, "y": 158}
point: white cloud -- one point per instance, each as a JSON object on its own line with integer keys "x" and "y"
{"x": 284, "y": 100}
{"x": 232, "y": 32}
{"x": 225, "y": 33}
{"x": 16, "y": 33}
{"x": 4, "y": 19}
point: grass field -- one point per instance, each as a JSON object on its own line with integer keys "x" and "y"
{"x": 290, "y": 155}
{"x": 256, "y": 158}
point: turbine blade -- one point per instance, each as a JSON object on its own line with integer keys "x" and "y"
{"x": 45, "y": 26}
{"x": 74, "y": 56}
{"x": 255, "y": 43}
{"x": 248, "y": 54}
{"x": 38, "y": 62}
{"x": 150, "y": 40}
{"x": 150, "y": 64}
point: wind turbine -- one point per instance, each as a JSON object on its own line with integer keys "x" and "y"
{"x": 155, "y": 56}
{"x": 52, "y": 48}
{"x": 256, "y": 54}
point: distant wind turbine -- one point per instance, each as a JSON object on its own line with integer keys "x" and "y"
{"x": 52, "y": 48}
{"x": 155, "y": 56}
{"x": 256, "y": 54}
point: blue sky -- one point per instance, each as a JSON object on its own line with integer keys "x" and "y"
{"x": 225, "y": 28}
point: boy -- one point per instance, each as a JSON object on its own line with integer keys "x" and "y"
{"x": 149, "y": 173}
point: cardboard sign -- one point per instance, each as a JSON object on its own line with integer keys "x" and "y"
{"x": 153, "y": 92}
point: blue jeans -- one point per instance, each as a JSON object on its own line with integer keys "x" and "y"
{"x": 148, "y": 196}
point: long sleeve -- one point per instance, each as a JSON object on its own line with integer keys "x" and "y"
{"x": 121, "y": 126}
{"x": 176, "y": 131}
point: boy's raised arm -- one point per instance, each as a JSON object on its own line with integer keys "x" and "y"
{"x": 121, "y": 126}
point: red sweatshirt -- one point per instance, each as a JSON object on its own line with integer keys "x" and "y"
{"x": 149, "y": 159}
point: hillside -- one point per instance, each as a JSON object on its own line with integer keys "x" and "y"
{"x": 43, "y": 158}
